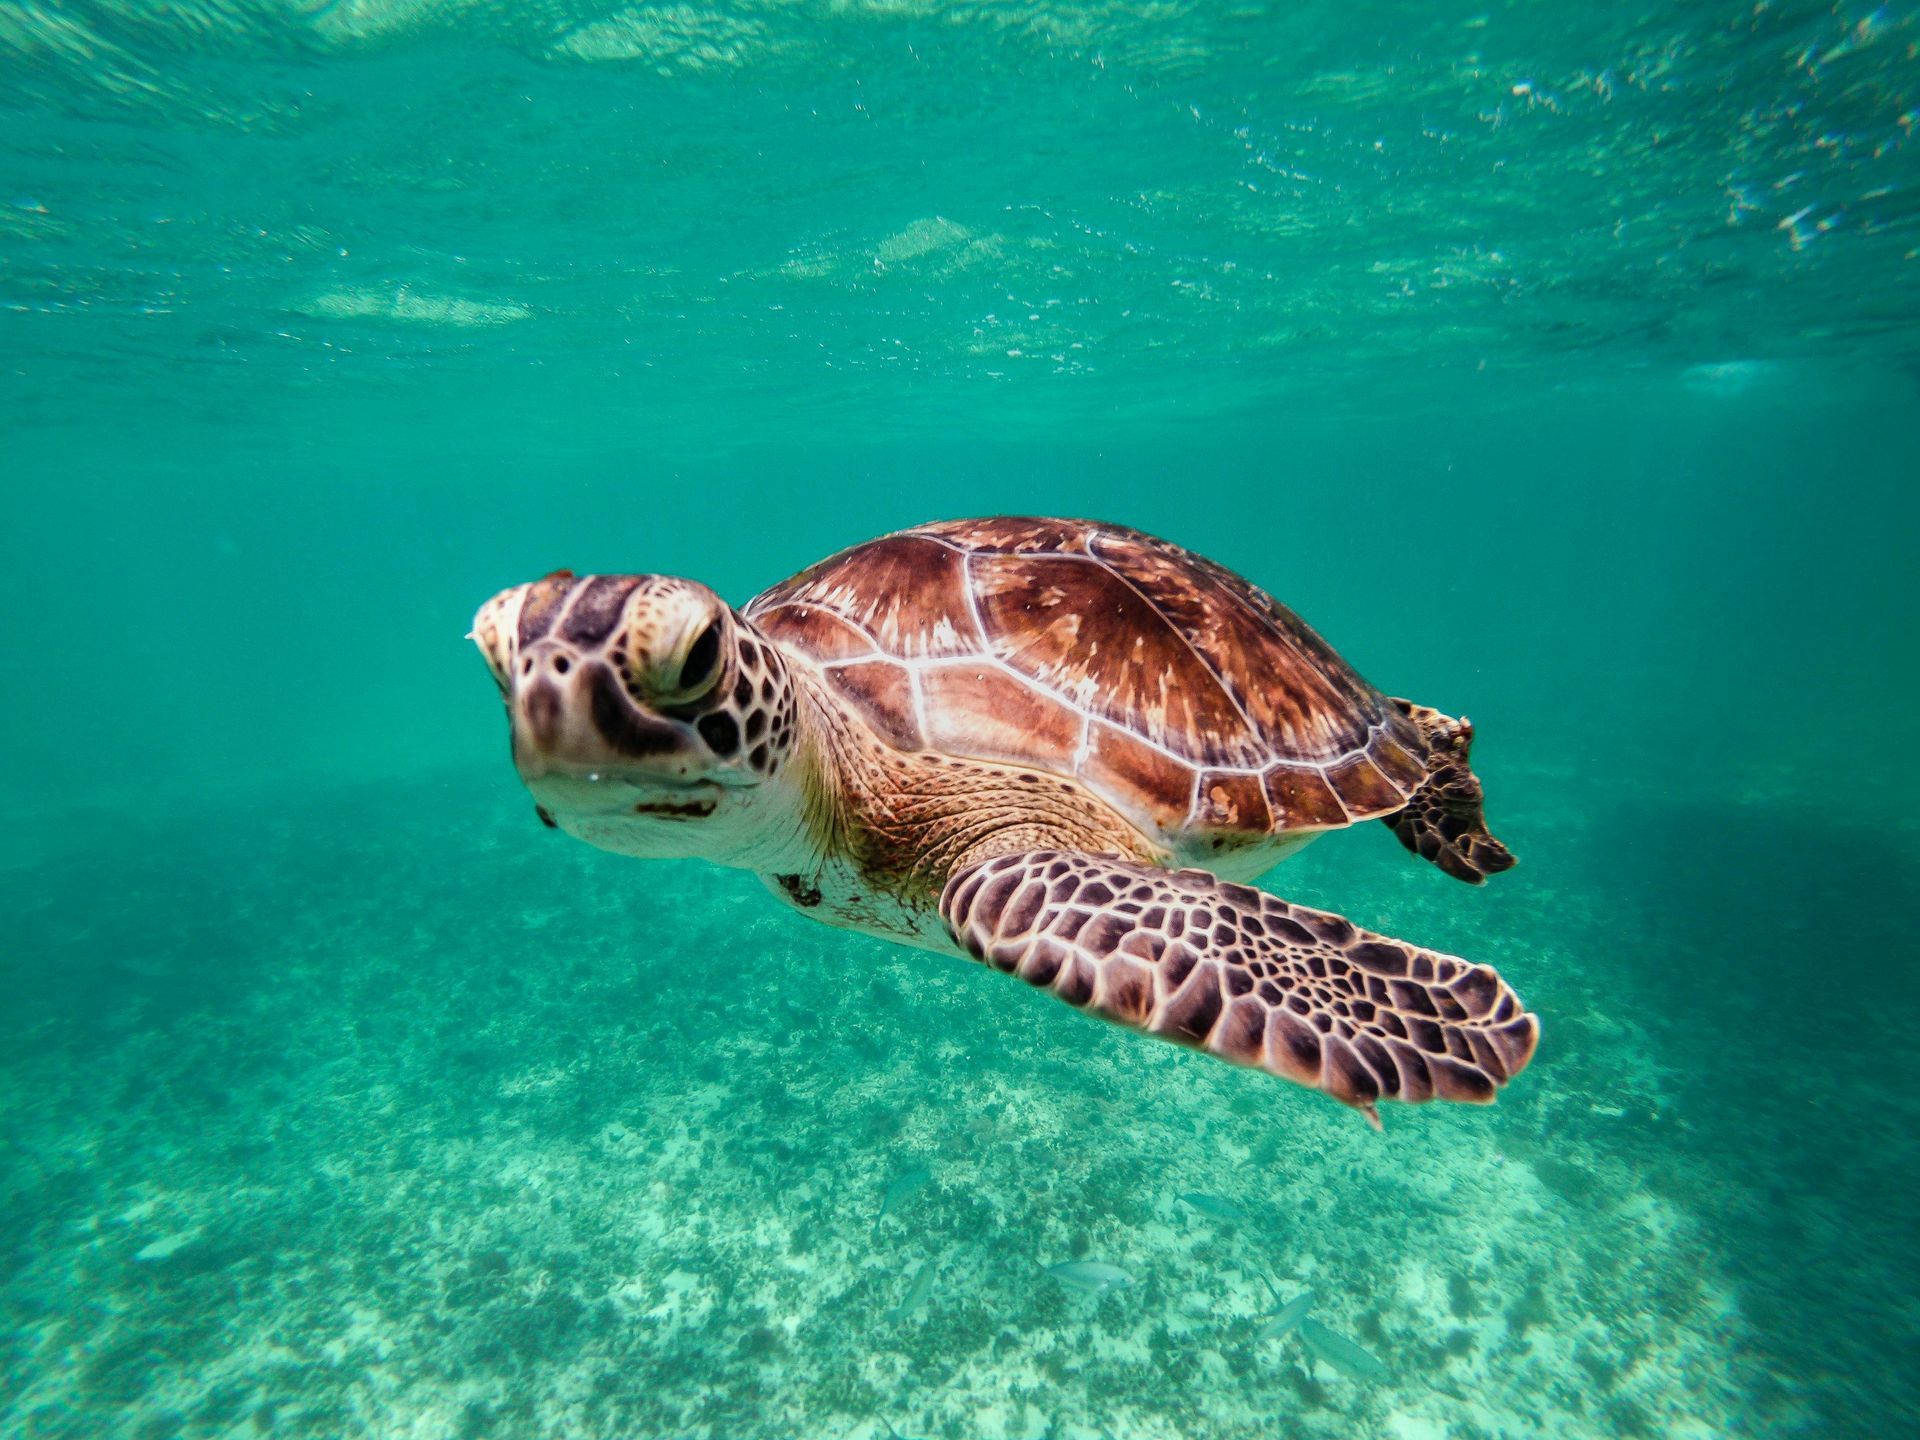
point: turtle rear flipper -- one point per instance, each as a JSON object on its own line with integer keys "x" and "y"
{"x": 1243, "y": 975}
{"x": 1444, "y": 821}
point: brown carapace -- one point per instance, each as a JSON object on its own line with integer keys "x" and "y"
{"x": 1003, "y": 738}
{"x": 1192, "y": 701}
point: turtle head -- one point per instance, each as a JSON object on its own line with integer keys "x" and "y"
{"x": 645, "y": 712}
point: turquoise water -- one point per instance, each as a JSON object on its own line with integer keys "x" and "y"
{"x": 1559, "y": 365}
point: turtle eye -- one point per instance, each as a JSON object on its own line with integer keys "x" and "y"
{"x": 702, "y": 665}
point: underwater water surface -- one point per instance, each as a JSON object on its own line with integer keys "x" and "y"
{"x": 1559, "y": 365}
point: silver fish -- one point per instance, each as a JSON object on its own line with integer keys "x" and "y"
{"x": 1340, "y": 1352}
{"x": 917, "y": 1293}
{"x": 1092, "y": 1276}
{"x": 903, "y": 1188}
{"x": 1287, "y": 1319}
{"x": 1214, "y": 1206}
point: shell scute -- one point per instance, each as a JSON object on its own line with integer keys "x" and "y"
{"x": 883, "y": 691}
{"x": 1085, "y": 633}
{"x": 906, "y": 591}
{"x": 1363, "y": 788}
{"x": 823, "y": 634}
{"x": 985, "y": 713}
{"x": 1232, "y": 800}
{"x": 1400, "y": 756}
{"x": 1140, "y": 779}
{"x": 1302, "y": 799}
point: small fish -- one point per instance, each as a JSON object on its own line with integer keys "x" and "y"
{"x": 1092, "y": 1276}
{"x": 1213, "y": 1206}
{"x": 1275, "y": 1289}
{"x": 903, "y": 1188}
{"x": 166, "y": 1247}
{"x": 1340, "y": 1352}
{"x": 917, "y": 1293}
{"x": 1287, "y": 1319}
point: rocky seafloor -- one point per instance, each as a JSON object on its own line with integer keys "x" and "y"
{"x": 389, "y": 1113}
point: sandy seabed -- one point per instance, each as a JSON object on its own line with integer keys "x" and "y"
{"x": 330, "y": 1121}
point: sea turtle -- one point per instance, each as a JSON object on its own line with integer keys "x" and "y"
{"x": 1054, "y": 746}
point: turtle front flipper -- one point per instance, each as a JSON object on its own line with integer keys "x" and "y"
{"x": 1244, "y": 975}
{"x": 1445, "y": 821}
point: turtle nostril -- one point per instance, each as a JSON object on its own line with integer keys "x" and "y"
{"x": 561, "y": 664}
{"x": 526, "y": 666}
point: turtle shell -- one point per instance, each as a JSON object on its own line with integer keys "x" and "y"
{"x": 1184, "y": 696}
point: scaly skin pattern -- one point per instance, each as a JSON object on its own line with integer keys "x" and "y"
{"x": 1445, "y": 822}
{"x": 888, "y": 828}
{"x": 1245, "y": 976}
